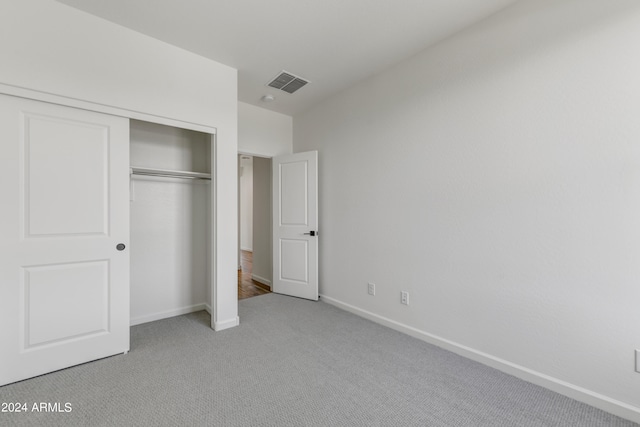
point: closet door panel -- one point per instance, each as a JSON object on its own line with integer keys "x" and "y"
{"x": 64, "y": 287}
{"x": 65, "y": 194}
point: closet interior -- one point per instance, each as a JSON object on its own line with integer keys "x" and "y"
{"x": 170, "y": 221}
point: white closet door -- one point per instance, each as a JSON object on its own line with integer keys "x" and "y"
{"x": 64, "y": 286}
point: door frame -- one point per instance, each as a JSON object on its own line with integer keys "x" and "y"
{"x": 213, "y": 307}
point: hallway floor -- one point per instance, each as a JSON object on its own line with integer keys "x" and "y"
{"x": 247, "y": 287}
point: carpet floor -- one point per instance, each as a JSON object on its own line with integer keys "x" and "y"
{"x": 291, "y": 362}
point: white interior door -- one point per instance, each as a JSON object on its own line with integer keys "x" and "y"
{"x": 64, "y": 286}
{"x": 295, "y": 225}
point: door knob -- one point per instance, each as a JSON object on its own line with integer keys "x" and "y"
{"x": 311, "y": 233}
{"x": 120, "y": 246}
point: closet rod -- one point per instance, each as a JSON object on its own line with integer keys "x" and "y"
{"x": 170, "y": 173}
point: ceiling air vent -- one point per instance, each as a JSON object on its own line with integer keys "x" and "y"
{"x": 287, "y": 82}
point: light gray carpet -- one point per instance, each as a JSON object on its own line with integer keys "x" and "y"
{"x": 290, "y": 363}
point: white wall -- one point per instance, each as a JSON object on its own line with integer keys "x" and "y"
{"x": 262, "y": 132}
{"x": 496, "y": 178}
{"x": 262, "y": 212}
{"x": 52, "y": 48}
{"x": 246, "y": 203}
{"x": 55, "y": 48}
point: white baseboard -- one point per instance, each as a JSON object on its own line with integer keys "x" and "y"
{"x": 169, "y": 313}
{"x": 261, "y": 280}
{"x": 589, "y": 397}
{"x": 218, "y": 326}
{"x": 226, "y": 324}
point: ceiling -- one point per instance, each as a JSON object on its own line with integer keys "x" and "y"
{"x": 332, "y": 43}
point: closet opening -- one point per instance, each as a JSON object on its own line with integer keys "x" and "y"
{"x": 254, "y": 226}
{"x": 171, "y": 233}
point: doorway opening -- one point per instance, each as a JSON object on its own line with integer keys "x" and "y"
{"x": 254, "y": 226}
{"x": 170, "y": 217}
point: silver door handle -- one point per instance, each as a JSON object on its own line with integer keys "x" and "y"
{"x": 311, "y": 233}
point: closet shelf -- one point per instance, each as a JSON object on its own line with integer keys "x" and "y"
{"x": 169, "y": 173}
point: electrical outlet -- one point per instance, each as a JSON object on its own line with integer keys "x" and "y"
{"x": 371, "y": 289}
{"x": 638, "y": 361}
{"x": 404, "y": 297}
